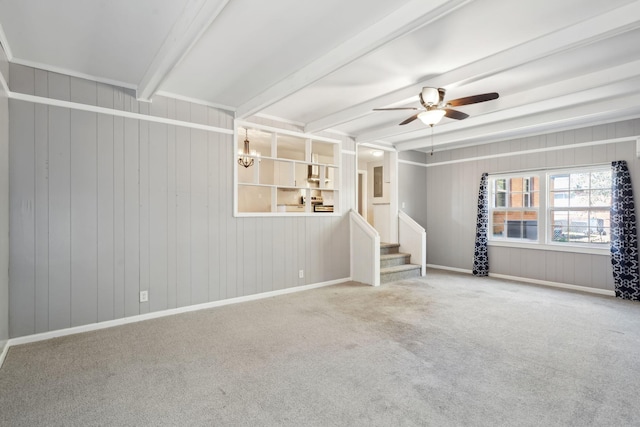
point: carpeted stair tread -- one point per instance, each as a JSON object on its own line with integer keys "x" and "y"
{"x": 398, "y": 268}
{"x": 391, "y": 256}
{"x": 389, "y": 260}
{"x": 389, "y": 248}
{"x": 389, "y": 245}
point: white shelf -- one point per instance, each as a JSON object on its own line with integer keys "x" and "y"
{"x": 272, "y": 180}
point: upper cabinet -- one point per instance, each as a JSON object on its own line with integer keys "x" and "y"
{"x": 281, "y": 172}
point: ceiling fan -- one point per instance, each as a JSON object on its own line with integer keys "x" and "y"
{"x": 435, "y": 107}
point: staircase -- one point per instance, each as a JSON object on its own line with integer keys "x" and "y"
{"x": 395, "y": 265}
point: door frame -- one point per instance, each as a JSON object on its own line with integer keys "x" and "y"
{"x": 365, "y": 201}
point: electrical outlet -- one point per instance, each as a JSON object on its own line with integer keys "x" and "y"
{"x": 144, "y": 296}
{"x": 301, "y": 274}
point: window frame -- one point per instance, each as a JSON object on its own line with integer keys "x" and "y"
{"x": 545, "y": 211}
{"x": 507, "y": 208}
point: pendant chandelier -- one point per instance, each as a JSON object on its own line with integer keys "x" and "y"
{"x": 245, "y": 159}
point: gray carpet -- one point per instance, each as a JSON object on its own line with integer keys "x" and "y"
{"x": 448, "y": 349}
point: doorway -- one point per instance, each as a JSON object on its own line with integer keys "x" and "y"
{"x": 377, "y": 189}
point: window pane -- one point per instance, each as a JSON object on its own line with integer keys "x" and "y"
{"x": 559, "y": 199}
{"x": 601, "y": 197}
{"x": 603, "y": 237}
{"x": 516, "y": 200}
{"x": 514, "y": 229}
{"x": 498, "y": 220}
{"x": 500, "y": 200}
{"x": 560, "y": 221}
{"x": 579, "y": 199}
{"x": 516, "y": 184}
{"x": 530, "y": 225}
{"x": 501, "y": 184}
{"x": 599, "y": 226}
{"x": 579, "y": 226}
{"x": 514, "y": 215}
{"x": 601, "y": 180}
{"x": 559, "y": 182}
{"x": 515, "y": 224}
{"x": 579, "y": 181}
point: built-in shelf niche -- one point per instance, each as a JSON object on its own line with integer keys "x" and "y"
{"x": 292, "y": 174}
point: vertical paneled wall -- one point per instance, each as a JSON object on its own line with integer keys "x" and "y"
{"x": 412, "y": 179}
{"x": 4, "y": 205}
{"x": 104, "y": 207}
{"x": 452, "y": 202}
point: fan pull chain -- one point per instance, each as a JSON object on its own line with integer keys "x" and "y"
{"x": 432, "y": 140}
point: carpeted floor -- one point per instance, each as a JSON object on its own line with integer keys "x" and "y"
{"x": 447, "y": 349}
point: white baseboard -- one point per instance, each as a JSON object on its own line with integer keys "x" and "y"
{"x": 170, "y": 312}
{"x": 555, "y": 284}
{"x": 444, "y": 267}
{"x": 533, "y": 281}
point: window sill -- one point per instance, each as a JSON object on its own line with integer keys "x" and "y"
{"x": 556, "y": 248}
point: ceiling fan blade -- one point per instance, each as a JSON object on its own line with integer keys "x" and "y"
{"x": 441, "y": 92}
{"x": 455, "y": 114}
{"x": 410, "y": 119}
{"x": 473, "y": 99}
{"x": 397, "y": 108}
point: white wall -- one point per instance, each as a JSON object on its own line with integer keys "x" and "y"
{"x": 104, "y": 207}
{"x": 452, "y": 202}
{"x": 4, "y": 206}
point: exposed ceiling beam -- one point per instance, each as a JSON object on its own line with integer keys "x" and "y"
{"x": 5, "y": 44}
{"x": 189, "y": 27}
{"x": 408, "y": 18}
{"x": 617, "y": 110}
{"x": 619, "y": 20}
{"x": 613, "y": 101}
{"x": 589, "y": 87}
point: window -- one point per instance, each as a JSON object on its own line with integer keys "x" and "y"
{"x": 514, "y": 212}
{"x": 579, "y": 205}
{"x": 560, "y": 207}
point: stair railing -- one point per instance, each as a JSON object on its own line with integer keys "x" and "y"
{"x": 413, "y": 240}
{"x": 365, "y": 250}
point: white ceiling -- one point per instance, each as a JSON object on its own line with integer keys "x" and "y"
{"x": 326, "y": 64}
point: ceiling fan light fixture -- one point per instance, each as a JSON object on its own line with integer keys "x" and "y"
{"x": 431, "y": 117}
{"x": 430, "y": 95}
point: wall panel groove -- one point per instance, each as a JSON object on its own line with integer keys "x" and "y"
{"x": 105, "y": 206}
{"x": 451, "y": 231}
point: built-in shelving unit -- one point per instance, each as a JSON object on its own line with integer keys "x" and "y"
{"x": 293, "y": 173}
